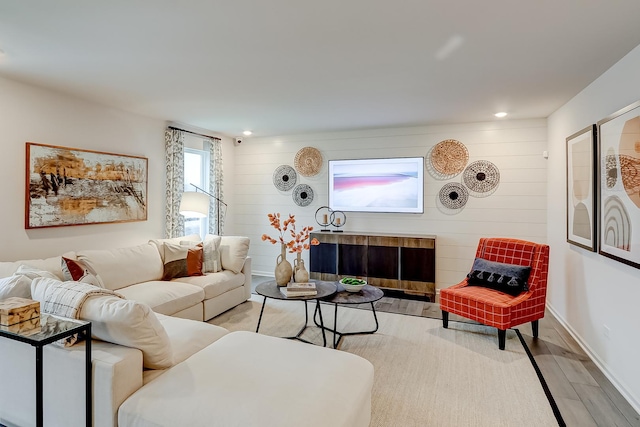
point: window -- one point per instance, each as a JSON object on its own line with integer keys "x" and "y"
{"x": 196, "y": 171}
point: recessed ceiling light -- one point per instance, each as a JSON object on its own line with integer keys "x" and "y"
{"x": 247, "y": 132}
{"x": 500, "y": 114}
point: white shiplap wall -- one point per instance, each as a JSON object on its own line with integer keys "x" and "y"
{"x": 516, "y": 209}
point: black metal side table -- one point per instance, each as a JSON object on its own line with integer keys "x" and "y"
{"x": 52, "y": 329}
{"x": 368, "y": 294}
{"x": 271, "y": 290}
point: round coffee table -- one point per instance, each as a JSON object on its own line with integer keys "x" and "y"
{"x": 368, "y": 294}
{"x": 271, "y": 290}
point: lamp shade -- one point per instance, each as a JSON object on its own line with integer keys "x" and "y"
{"x": 194, "y": 204}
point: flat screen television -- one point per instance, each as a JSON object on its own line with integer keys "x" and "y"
{"x": 377, "y": 185}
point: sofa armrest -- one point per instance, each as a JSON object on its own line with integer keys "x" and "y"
{"x": 117, "y": 373}
{"x": 246, "y": 270}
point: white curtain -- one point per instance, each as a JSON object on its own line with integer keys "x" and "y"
{"x": 217, "y": 211}
{"x": 174, "y": 162}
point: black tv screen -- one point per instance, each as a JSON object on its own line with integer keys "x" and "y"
{"x": 377, "y": 185}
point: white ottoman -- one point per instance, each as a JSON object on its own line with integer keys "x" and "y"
{"x": 246, "y": 379}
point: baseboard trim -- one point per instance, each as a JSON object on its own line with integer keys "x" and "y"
{"x": 629, "y": 397}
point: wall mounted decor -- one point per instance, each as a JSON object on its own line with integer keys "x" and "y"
{"x": 447, "y": 159}
{"x": 302, "y": 195}
{"x": 308, "y": 161}
{"x": 323, "y": 215}
{"x": 481, "y": 178}
{"x": 581, "y": 188}
{"x": 70, "y": 186}
{"x": 453, "y": 195}
{"x": 284, "y": 177}
{"x": 619, "y": 185}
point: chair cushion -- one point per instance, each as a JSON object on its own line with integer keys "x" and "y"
{"x": 164, "y": 297}
{"x": 507, "y": 278}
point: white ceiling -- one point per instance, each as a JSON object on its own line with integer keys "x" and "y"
{"x": 292, "y": 66}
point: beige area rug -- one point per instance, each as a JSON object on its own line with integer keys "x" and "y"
{"x": 425, "y": 375}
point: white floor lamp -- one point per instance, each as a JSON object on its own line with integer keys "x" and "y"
{"x": 196, "y": 204}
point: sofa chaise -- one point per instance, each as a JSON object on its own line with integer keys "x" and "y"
{"x": 172, "y": 368}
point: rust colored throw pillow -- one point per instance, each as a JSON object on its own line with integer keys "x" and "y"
{"x": 80, "y": 271}
{"x": 181, "y": 261}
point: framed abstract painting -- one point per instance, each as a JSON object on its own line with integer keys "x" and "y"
{"x": 69, "y": 186}
{"x": 619, "y": 185}
{"x": 581, "y": 188}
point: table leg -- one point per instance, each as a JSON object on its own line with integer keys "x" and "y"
{"x": 88, "y": 379}
{"x": 39, "y": 397}
{"x": 319, "y": 311}
{"x": 261, "y": 311}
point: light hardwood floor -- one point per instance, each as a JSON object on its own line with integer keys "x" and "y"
{"x": 584, "y": 395}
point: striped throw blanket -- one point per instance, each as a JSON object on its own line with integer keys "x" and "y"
{"x": 65, "y": 299}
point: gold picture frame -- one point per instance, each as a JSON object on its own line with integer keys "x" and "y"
{"x": 71, "y": 186}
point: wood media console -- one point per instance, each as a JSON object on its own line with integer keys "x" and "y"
{"x": 390, "y": 261}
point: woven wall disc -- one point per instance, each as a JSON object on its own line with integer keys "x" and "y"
{"x": 449, "y": 157}
{"x": 284, "y": 177}
{"x": 308, "y": 161}
{"x": 453, "y": 195}
{"x": 481, "y": 176}
{"x": 302, "y": 195}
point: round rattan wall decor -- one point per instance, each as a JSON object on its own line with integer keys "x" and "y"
{"x": 448, "y": 158}
{"x": 453, "y": 195}
{"x": 308, "y": 161}
{"x": 284, "y": 177}
{"x": 481, "y": 178}
{"x": 302, "y": 195}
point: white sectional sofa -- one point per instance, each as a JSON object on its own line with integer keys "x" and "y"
{"x": 215, "y": 378}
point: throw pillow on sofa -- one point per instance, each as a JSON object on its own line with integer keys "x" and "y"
{"x": 80, "y": 271}
{"x": 33, "y": 272}
{"x": 508, "y": 278}
{"x": 210, "y": 252}
{"x": 15, "y": 286}
{"x": 120, "y": 321}
{"x": 233, "y": 252}
{"x": 181, "y": 261}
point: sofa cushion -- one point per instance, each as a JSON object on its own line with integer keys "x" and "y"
{"x": 247, "y": 379}
{"x": 164, "y": 297}
{"x": 122, "y": 267}
{"x": 233, "y": 252}
{"x": 80, "y": 271}
{"x": 15, "y": 286}
{"x": 181, "y": 261}
{"x": 215, "y": 284}
{"x": 120, "y": 321}
{"x": 189, "y": 336}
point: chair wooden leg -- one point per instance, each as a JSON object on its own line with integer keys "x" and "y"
{"x": 502, "y": 335}
{"x": 445, "y": 319}
{"x": 534, "y": 327}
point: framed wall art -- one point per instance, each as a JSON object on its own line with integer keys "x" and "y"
{"x": 70, "y": 186}
{"x": 619, "y": 185}
{"x": 581, "y": 188}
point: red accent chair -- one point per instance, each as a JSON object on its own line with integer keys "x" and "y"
{"x": 494, "y": 308}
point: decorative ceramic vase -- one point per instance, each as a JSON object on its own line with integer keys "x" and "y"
{"x": 283, "y": 268}
{"x": 300, "y": 274}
